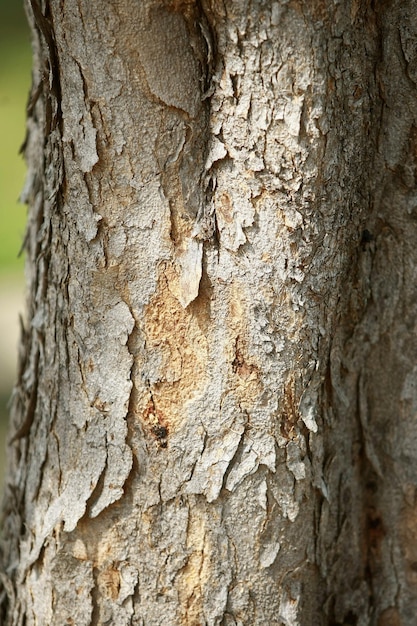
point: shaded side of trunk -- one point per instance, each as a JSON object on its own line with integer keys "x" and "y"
{"x": 213, "y": 422}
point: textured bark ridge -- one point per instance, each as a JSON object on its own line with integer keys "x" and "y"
{"x": 214, "y": 420}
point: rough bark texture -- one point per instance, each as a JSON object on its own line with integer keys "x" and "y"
{"x": 214, "y": 422}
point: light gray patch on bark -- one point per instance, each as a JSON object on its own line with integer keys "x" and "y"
{"x": 73, "y": 584}
{"x": 168, "y": 61}
{"x": 80, "y": 208}
{"x": 190, "y": 262}
{"x": 79, "y": 129}
{"x": 212, "y": 465}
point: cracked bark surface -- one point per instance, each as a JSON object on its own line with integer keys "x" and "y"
{"x": 214, "y": 420}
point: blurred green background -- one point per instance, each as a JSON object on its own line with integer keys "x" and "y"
{"x": 15, "y": 79}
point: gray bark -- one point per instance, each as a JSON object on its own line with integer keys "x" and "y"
{"x": 214, "y": 420}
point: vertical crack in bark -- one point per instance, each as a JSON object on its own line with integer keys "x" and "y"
{"x": 45, "y": 26}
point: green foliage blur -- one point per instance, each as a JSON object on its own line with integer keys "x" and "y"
{"x": 15, "y": 80}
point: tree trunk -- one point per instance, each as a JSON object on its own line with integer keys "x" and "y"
{"x": 214, "y": 421}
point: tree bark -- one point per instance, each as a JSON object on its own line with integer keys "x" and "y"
{"x": 214, "y": 420}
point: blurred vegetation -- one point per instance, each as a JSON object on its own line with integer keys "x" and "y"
{"x": 15, "y": 64}
{"x": 15, "y": 80}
